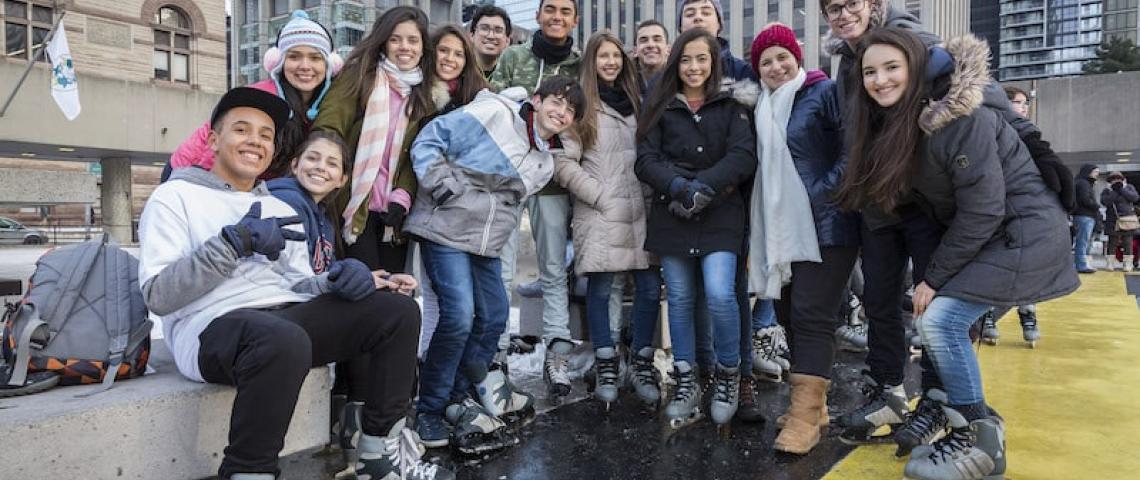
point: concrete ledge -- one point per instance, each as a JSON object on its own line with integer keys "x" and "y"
{"x": 157, "y": 426}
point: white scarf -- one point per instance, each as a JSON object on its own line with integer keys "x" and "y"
{"x": 404, "y": 80}
{"x": 783, "y": 227}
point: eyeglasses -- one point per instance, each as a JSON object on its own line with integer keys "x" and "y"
{"x": 487, "y": 29}
{"x": 852, "y": 6}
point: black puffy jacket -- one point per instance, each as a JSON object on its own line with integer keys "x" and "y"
{"x": 1086, "y": 204}
{"x": 715, "y": 145}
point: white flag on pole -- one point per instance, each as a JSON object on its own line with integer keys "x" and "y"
{"x": 64, "y": 87}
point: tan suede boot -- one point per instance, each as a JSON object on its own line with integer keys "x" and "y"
{"x": 806, "y": 415}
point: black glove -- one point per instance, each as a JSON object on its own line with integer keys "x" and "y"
{"x": 351, "y": 280}
{"x": 700, "y": 196}
{"x": 394, "y": 216}
{"x": 1056, "y": 175}
{"x": 679, "y": 210}
{"x": 267, "y": 236}
{"x": 1116, "y": 186}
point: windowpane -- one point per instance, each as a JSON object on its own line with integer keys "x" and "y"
{"x": 182, "y": 41}
{"x": 162, "y": 37}
{"x": 15, "y": 9}
{"x": 16, "y": 40}
{"x": 312, "y": 3}
{"x": 171, "y": 17}
{"x": 181, "y": 70}
{"x": 161, "y": 65}
{"x": 39, "y": 40}
{"x": 280, "y": 7}
{"x": 41, "y": 14}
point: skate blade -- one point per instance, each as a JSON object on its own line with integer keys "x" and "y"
{"x": 1032, "y": 344}
{"x": 770, "y": 378}
{"x": 990, "y": 341}
{"x": 857, "y": 436}
{"x": 518, "y": 419}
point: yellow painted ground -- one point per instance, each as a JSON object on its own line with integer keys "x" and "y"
{"x": 1072, "y": 406}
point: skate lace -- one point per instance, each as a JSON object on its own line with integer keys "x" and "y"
{"x": 768, "y": 342}
{"x": 724, "y": 388}
{"x": 951, "y": 447}
{"x": 686, "y": 386}
{"x": 926, "y": 420}
{"x": 556, "y": 367}
{"x": 607, "y": 371}
{"x": 409, "y": 458}
{"x": 643, "y": 371}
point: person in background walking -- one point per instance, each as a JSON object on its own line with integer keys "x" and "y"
{"x": 1119, "y": 201}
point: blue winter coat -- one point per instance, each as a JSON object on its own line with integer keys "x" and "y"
{"x": 815, "y": 139}
{"x": 319, "y": 232}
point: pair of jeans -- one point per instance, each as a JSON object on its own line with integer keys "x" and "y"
{"x": 706, "y": 355}
{"x": 885, "y": 254}
{"x": 809, "y": 308}
{"x": 945, "y": 332}
{"x": 550, "y": 225}
{"x": 717, "y": 278}
{"x": 763, "y": 314}
{"x": 473, "y": 310}
{"x": 266, "y": 354}
{"x": 600, "y": 290}
{"x": 1085, "y": 227}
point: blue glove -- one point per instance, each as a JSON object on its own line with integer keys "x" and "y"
{"x": 351, "y": 280}
{"x": 677, "y": 187}
{"x": 267, "y": 236}
{"x": 697, "y": 196}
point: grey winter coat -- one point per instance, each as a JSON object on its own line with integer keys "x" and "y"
{"x": 609, "y": 211}
{"x": 475, "y": 166}
{"x": 1118, "y": 203}
{"x": 1007, "y": 239}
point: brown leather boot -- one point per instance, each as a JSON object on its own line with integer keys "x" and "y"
{"x": 806, "y": 414}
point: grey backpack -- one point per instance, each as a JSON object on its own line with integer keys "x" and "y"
{"x": 82, "y": 318}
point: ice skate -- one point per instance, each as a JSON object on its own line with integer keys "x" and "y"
{"x": 748, "y": 410}
{"x": 606, "y": 372}
{"x": 645, "y": 378}
{"x": 501, "y": 398}
{"x": 990, "y": 333}
{"x": 555, "y": 371}
{"x": 971, "y": 451}
{"x": 886, "y": 407}
{"x": 725, "y": 395}
{"x": 767, "y": 345}
{"x": 852, "y": 337}
{"x": 396, "y": 456}
{"x": 684, "y": 408}
{"x": 348, "y": 430}
{"x": 1029, "y": 331}
{"x": 476, "y": 431}
{"x": 924, "y": 426}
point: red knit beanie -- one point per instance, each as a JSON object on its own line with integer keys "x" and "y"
{"x": 775, "y": 35}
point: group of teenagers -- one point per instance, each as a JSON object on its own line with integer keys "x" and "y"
{"x": 285, "y": 234}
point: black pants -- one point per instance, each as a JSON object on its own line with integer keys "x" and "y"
{"x": 809, "y": 307}
{"x": 885, "y": 254}
{"x": 377, "y": 254}
{"x": 267, "y": 353}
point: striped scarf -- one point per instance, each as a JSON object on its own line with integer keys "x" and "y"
{"x": 369, "y": 161}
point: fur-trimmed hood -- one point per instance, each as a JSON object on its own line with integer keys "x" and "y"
{"x": 968, "y": 82}
{"x": 745, "y": 91}
{"x": 440, "y": 97}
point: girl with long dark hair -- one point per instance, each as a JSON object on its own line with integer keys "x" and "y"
{"x": 695, "y": 149}
{"x": 376, "y": 106}
{"x": 922, "y": 126}
{"x": 608, "y": 222}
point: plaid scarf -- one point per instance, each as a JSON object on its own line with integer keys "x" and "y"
{"x": 369, "y": 163}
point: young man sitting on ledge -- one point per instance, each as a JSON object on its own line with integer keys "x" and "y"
{"x": 224, "y": 263}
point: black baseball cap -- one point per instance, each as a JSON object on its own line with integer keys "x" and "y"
{"x": 267, "y": 102}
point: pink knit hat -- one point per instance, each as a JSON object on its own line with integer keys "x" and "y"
{"x": 775, "y": 35}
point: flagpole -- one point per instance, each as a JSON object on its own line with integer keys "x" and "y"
{"x": 31, "y": 63}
